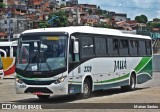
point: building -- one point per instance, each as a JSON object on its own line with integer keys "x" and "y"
{"x": 119, "y": 17}
{"x": 3, "y": 35}
{"x": 73, "y": 15}
{"x": 61, "y": 2}
{"x": 90, "y": 20}
{"x": 12, "y": 26}
{"x": 72, "y": 3}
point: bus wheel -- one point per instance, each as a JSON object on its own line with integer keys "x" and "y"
{"x": 132, "y": 84}
{"x": 43, "y": 97}
{"x": 86, "y": 89}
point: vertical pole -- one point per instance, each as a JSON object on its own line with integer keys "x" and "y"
{"x": 9, "y": 30}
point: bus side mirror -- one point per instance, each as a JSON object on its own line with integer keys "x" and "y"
{"x": 76, "y": 47}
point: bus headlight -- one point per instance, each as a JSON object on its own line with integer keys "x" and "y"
{"x": 19, "y": 80}
{"x": 61, "y": 79}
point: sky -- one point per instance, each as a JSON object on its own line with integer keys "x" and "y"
{"x": 133, "y": 8}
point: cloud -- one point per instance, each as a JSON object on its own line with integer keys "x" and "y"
{"x": 119, "y": 4}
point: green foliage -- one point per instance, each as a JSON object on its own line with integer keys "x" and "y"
{"x": 43, "y": 25}
{"x": 60, "y": 21}
{"x": 153, "y": 24}
{"x": 141, "y": 19}
{"x": 102, "y": 25}
{"x": 62, "y": 6}
{"x": 2, "y": 5}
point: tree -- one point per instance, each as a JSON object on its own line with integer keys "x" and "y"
{"x": 153, "y": 24}
{"x": 2, "y": 5}
{"x": 60, "y": 20}
{"x": 43, "y": 25}
{"x": 141, "y": 19}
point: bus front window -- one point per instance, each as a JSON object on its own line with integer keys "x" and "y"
{"x": 45, "y": 53}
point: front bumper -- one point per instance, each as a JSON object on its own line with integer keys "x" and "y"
{"x": 55, "y": 89}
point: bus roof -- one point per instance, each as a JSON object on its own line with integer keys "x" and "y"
{"x": 86, "y": 29}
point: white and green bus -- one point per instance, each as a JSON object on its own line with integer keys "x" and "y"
{"x": 80, "y": 59}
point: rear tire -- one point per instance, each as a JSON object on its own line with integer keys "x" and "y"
{"x": 87, "y": 89}
{"x": 43, "y": 97}
{"x": 132, "y": 84}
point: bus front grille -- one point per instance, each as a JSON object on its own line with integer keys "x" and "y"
{"x": 38, "y": 89}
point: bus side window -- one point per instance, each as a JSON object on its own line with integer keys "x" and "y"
{"x": 87, "y": 47}
{"x": 133, "y": 47}
{"x": 100, "y": 46}
{"x": 148, "y": 48}
{"x": 142, "y": 49}
{"x": 110, "y": 46}
{"x": 115, "y": 47}
{"x": 123, "y": 47}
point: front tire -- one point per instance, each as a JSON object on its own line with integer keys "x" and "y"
{"x": 132, "y": 84}
{"x": 43, "y": 97}
{"x": 87, "y": 89}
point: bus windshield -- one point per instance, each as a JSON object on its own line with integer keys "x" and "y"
{"x": 41, "y": 53}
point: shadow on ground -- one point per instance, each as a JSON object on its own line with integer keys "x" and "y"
{"x": 71, "y": 98}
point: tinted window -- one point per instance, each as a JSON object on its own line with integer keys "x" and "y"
{"x": 148, "y": 48}
{"x": 87, "y": 47}
{"x": 115, "y": 47}
{"x": 142, "y": 49}
{"x": 110, "y": 46}
{"x": 133, "y": 47}
{"x": 100, "y": 46}
{"x": 123, "y": 47}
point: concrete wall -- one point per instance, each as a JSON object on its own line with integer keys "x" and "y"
{"x": 156, "y": 63}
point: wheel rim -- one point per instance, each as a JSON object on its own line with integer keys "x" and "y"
{"x": 132, "y": 83}
{"x": 85, "y": 88}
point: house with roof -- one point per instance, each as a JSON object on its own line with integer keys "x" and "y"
{"x": 73, "y": 15}
{"x": 119, "y": 17}
{"x": 61, "y": 2}
{"x": 72, "y": 3}
{"x": 3, "y": 35}
{"x": 90, "y": 20}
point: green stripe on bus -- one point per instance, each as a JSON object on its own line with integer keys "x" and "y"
{"x": 26, "y": 78}
{"x": 74, "y": 82}
{"x": 142, "y": 63}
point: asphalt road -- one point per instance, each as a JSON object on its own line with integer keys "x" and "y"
{"x": 148, "y": 92}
